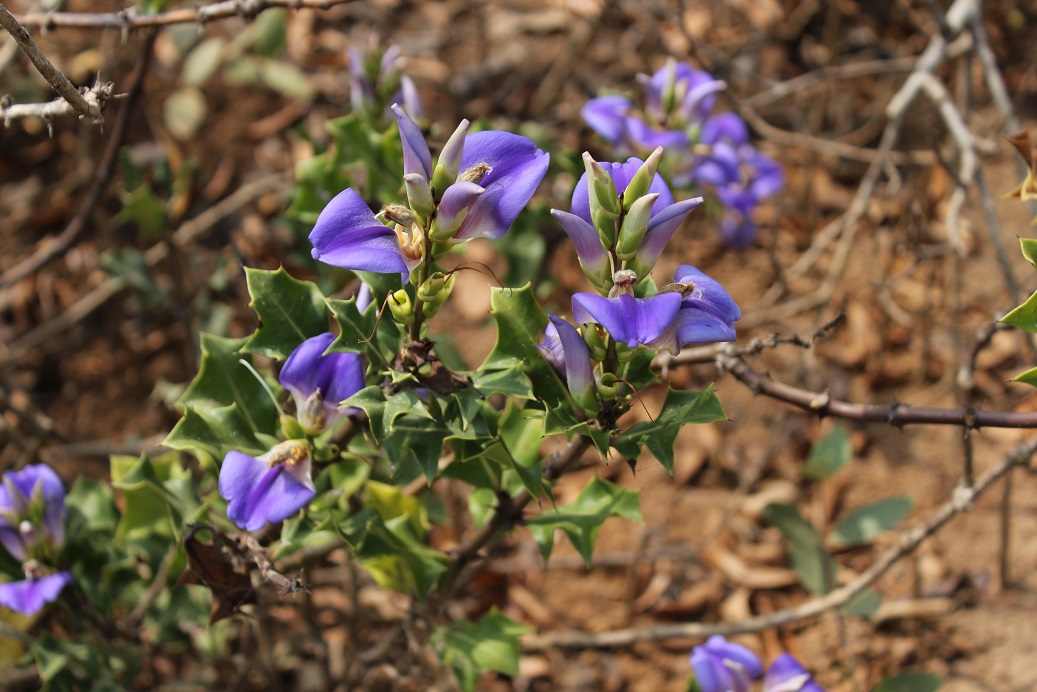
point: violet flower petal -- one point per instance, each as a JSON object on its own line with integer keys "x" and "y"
{"x": 661, "y": 228}
{"x": 725, "y": 126}
{"x": 416, "y": 156}
{"x": 786, "y": 674}
{"x": 583, "y": 236}
{"x": 348, "y": 235}
{"x": 30, "y": 595}
{"x": 709, "y": 294}
{"x": 338, "y": 376}
{"x": 456, "y": 200}
{"x": 550, "y": 347}
{"x": 579, "y": 370}
{"x": 605, "y": 115}
{"x": 647, "y": 137}
{"x": 258, "y": 494}
{"x": 723, "y": 666}
{"x": 628, "y": 320}
{"x": 737, "y": 230}
{"x": 516, "y": 169}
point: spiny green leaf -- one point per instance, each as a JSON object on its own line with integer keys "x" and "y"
{"x": 865, "y": 523}
{"x": 222, "y": 381}
{"x": 382, "y": 411}
{"x": 471, "y": 648}
{"x": 581, "y": 521}
{"x": 416, "y": 441}
{"x": 358, "y": 332}
{"x": 1029, "y": 248}
{"x": 1024, "y": 316}
{"x": 216, "y": 431}
{"x": 680, "y": 408}
{"x": 290, "y": 311}
{"x": 828, "y": 455}
{"x": 520, "y": 323}
{"x": 811, "y": 561}
{"x": 1029, "y": 377}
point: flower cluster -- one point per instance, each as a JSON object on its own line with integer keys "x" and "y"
{"x": 706, "y": 150}
{"x": 621, "y": 218}
{"x": 723, "y": 666}
{"x": 32, "y": 529}
{"x": 476, "y": 189}
{"x": 274, "y": 486}
{"x": 375, "y": 81}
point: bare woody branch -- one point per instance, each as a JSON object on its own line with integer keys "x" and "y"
{"x": 95, "y": 97}
{"x": 960, "y": 501}
{"x": 131, "y": 18}
{"x": 54, "y": 77}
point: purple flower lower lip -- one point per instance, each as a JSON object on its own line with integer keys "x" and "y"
{"x": 605, "y": 115}
{"x": 30, "y": 595}
{"x": 631, "y": 321}
{"x": 579, "y": 370}
{"x": 348, "y": 235}
{"x": 786, "y": 674}
{"x": 267, "y": 489}
{"x": 707, "y": 312}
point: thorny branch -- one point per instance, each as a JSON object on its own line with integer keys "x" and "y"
{"x": 961, "y": 500}
{"x": 76, "y": 100}
{"x": 133, "y": 19}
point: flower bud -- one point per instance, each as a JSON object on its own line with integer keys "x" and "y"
{"x": 642, "y": 180}
{"x": 435, "y": 291}
{"x": 419, "y": 194}
{"x": 401, "y": 307}
{"x": 635, "y": 225}
{"x": 601, "y": 189}
{"x": 448, "y": 167}
{"x": 592, "y": 337}
{"x": 605, "y": 225}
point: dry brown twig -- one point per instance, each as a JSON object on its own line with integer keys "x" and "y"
{"x": 131, "y": 18}
{"x": 961, "y": 499}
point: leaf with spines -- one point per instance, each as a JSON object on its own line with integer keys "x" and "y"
{"x": 679, "y": 409}
{"x": 520, "y": 324}
{"x": 581, "y": 521}
{"x": 290, "y": 311}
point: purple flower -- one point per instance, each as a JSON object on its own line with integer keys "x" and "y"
{"x": 723, "y": 666}
{"x": 607, "y": 115}
{"x": 665, "y": 217}
{"x": 786, "y": 674}
{"x": 629, "y": 320}
{"x": 706, "y": 315}
{"x": 478, "y": 188}
{"x": 32, "y": 529}
{"x": 693, "y": 309}
{"x": 32, "y": 512}
{"x": 319, "y": 382}
{"x": 30, "y": 595}
{"x": 269, "y": 488}
{"x": 575, "y": 362}
{"x": 372, "y": 77}
{"x": 680, "y": 92}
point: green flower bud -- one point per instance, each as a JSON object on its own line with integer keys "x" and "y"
{"x": 601, "y": 189}
{"x": 635, "y": 225}
{"x": 435, "y": 291}
{"x": 448, "y": 167}
{"x": 326, "y": 453}
{"x": 624, "y": 354}
{"x": 605, "y": 225}
{"x": 642, "y": 180}
{"x": 419, "y": 194}
{"x": 401, "y": 307}
{"x": 592, "y": 337}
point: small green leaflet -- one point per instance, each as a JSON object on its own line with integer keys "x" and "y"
{"x": 680, "y": 408}
{"x": 866, "y": 523}
{"x": 473, "y": 647}
{"x": 828, "y": 455}
{"x": 812, "y": 562}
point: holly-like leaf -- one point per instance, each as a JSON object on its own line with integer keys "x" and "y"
{"x": 149, "y": 507}
{"x": 520, "y": 323}
{"x": 1029, "y": 377}
{"x": 290, "y": 311}
{"x": 470, "y": 648}
{"x": 382, "y": 411}
{"x": 680, "y": 408}
{"x": 1029, "y": 249}
{"x": 216, "y": 431}
{"x": 1024, "y": 316}
{"x": 811, "y": 561}
{"x": 865, "y": 523}
{"x": 828, "y": 455}
{"x": 223, "y": 381}
{"x": 582, "y": 520}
